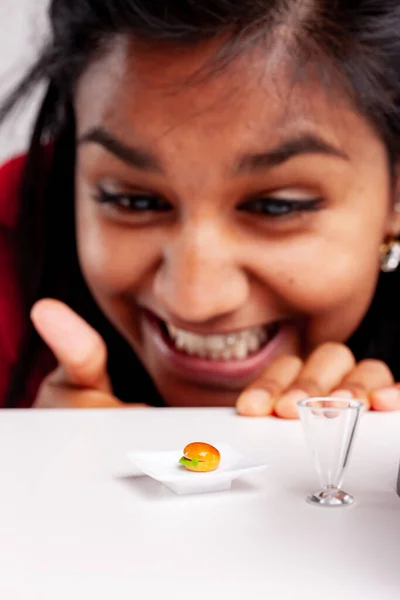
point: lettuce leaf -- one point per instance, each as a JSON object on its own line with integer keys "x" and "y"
{"x": 189, "y": 463}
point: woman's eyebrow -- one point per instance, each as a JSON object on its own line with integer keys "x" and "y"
{"x": 143, "y": 160}
{"x": 304, "y": 144}
{"x": 135, "y": 157}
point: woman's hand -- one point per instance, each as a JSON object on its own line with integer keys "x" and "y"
{"x": 330, "y": 370}
{"x": 81, "y": 380}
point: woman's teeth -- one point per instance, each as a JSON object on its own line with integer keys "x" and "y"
{"x": 234, "y": 346}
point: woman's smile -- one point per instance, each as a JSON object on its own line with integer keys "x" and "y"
{"x": 219, "y": 359}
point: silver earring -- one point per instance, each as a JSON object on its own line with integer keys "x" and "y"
{"x": 390, "y": 256}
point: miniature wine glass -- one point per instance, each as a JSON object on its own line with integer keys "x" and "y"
{"x": 330, "y": 425}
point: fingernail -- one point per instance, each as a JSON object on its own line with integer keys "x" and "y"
{"x": 390, "y": 394}
{"x": 389, "y": 397}
{"x": 58, "y": 325}
{"x": 342, "y": 394}
{"x": 254, "y": 403}
{"x": 287, "y": 405}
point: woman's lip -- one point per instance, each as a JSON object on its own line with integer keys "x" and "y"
{"x": 230, "y": 373}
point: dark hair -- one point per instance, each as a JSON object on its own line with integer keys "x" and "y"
{"x": 356, "y": 41}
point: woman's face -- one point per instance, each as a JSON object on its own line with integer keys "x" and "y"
{"x": 227, "y": 221}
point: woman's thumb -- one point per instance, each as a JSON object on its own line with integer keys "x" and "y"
{"x": 79, "y": 349}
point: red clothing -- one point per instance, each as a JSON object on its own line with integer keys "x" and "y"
{"x": 10, "y": 311}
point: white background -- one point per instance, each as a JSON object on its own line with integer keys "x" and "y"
{"x": 23, "y": 29}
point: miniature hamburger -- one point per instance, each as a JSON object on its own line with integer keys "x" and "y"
{"x": 200, "y": 457}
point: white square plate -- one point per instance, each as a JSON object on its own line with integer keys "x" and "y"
{"x": 165, "y": 467}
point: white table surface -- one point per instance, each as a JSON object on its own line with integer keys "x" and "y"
{"x": 75, "y": 524}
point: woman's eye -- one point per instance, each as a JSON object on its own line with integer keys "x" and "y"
{"x": 134, "y": 202}
{"x": 279, "y": 207}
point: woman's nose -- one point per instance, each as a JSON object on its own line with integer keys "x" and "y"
{"x": 199, "y": 279}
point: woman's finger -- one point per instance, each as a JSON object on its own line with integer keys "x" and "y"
{"x": 258, "y": 400}
{"x": 54, "y": 393}
{"x": 386, "y": 399}
{"x": 53, "y": 396}
{"x": 367, "y": 376}
{"x": 79, "y": 349}
{"x": 324, "y": 370}
{"x": 385, "y": 393}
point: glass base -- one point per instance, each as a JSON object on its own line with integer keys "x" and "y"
{"x": 331, "y": 498}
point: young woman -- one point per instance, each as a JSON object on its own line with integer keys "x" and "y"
{"x": 209, "y": 210}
